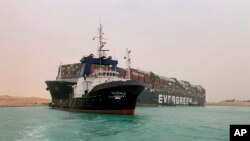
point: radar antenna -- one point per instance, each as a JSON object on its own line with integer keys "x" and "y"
{"x": 100, "y": 50}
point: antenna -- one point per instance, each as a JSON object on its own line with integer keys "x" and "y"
{"x": 128, "y": 62}
{"x": 100, "y": 51}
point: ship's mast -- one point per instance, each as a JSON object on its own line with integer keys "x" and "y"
{"x": 128, "y": 62}
{"x": 100, "y": 50}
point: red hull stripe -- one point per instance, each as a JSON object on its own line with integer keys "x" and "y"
{"x": 120, "y": 112}
{"x": 148, "y": 105}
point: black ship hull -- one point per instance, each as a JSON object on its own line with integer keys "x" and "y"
{"x": 118, "y": 97}
{"x": 59, "y": 90}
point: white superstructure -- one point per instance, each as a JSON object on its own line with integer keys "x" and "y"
{"x": 85, "y": 85}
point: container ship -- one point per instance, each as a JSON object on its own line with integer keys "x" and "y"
{"x": 157, "y": 90}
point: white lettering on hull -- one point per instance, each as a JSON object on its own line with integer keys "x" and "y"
{"x": 173, "y": 99}
{"x": 168, "y": 99}
{"x": 118, "y": 95}
{"x": 177, "y": 100}
{"x": 160, "y": 99}
{"x": 165, "y": 98}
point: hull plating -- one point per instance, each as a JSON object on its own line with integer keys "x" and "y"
{"x": 111, "y": 98}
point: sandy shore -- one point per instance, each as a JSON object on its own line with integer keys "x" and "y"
{"x": 245, "y": 104}
{"x": 11, "y": 101}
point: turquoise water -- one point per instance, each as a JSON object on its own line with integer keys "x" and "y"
{"x": 209, "y": 123}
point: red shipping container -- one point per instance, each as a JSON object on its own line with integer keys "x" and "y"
{"x": 134, "y": 74}
{"x": 92, "y": 68}
{"x": 157, "y": 80}
{"x": 146, "y": 78}
{"x": 141, "y": 77}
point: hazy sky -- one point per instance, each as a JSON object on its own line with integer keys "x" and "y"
{"x": 206, "y": 42}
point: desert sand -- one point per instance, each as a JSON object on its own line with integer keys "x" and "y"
{"x": 14, "y": 101}
{"x": 238, "y": 103}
